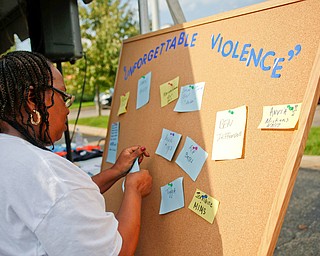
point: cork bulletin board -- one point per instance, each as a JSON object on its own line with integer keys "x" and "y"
{"x": 262, "y": 55}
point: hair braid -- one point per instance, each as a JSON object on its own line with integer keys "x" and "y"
{"x": 3, "y": 99}
{"x": 32, "y": 68}
{"x": 18, "y": 71}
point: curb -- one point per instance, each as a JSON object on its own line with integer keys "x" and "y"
{"x": 310, "y": 162}
{"x": 88, "y": 130}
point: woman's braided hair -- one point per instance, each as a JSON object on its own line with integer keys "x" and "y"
{"x": 18, "y": 71}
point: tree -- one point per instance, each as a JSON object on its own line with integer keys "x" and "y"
{"x": 104, "y": 24}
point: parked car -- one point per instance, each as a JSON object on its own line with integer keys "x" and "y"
{"x": 105, "y": 99}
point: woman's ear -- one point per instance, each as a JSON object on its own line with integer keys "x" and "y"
{"x": 31, "y": 99}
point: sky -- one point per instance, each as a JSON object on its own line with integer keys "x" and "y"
{"x": 196, "y": 9}
{"x": 192, "y": 9}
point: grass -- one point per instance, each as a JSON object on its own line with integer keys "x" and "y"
{"x": 98, "y": 121}
{"x": 313, "y": 142}
{"x": 75, "y": 105}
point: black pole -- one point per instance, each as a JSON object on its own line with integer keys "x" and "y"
{"x": 66, "y": 133}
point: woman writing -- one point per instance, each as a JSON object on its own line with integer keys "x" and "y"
{"x": 48, "y": 206}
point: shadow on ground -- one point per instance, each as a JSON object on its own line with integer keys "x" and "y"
{"x": 300, "y": 233}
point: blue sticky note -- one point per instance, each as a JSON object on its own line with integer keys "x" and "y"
{"x": 113, "y": 143}
{"x": 191, "y": 158}
{"x": 168, "y": 144}
{"x": 143, "y": 93}
{"x": 172, "y": 196}
{"x": 135, "y": 168}
{"x": 190, "y": 98}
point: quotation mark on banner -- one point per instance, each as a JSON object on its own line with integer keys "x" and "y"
{"x": 292, "y": 53}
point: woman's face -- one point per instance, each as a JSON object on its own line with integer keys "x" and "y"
{"x": 58, "y": 112}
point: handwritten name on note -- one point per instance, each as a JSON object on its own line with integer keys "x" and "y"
{"x": 172, "y": 196}
{"x": 143, "y": 93}
{"x": 204, "y": 205}
{"x": 169, "y": 91}
{"x": 229, "y": 133}
{"x": 113, "y": 143}
{"x": 191, "y": 158}
{"x": 123, "y": 103}
{"x": 190, "y": 98}
{"x": 280, "y": 116}
{"x": 168, "y": 144}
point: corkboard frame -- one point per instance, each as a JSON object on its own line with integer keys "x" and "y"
{"x": 253, "y": 191}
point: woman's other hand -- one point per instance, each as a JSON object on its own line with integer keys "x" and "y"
{"x": 140, "y": 182}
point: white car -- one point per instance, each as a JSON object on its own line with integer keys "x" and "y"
{"x": 105, "y": 98}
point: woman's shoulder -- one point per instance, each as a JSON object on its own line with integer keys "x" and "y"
{"x": 29, "y": 162}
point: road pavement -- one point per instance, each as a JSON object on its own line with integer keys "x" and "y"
{"x": 300, "y": 233}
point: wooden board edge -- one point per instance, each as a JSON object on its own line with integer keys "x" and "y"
{"x": 292, "y": 164}
{"x": 106, "y": 144}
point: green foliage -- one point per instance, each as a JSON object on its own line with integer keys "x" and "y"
{"x": 104, "y": 24}
{"x": 313, "y": 142}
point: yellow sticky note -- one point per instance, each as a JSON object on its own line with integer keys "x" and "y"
{"x": 169, "y": 91}
{"x": 280, "y": 116}
{"x": 123, "y": 103}
{"x": 204, "y": 205}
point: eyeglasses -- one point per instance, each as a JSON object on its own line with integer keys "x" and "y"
{"x": 67, "y": 98}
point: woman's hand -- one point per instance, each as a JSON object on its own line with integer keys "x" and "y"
{"x": 127, "y": 158}
{"x": 106, "y": 178}
{"x": 140, "y": 182}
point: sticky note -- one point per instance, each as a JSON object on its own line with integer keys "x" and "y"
{"x": 143, "y": 93}
{"x": 204, "y": 205}
{"x": 168, "y": 144}
{"x": 135, "y": 168}
{"x": 190, "y": 98}
{"x": 280, "y": 116}
{"x": 169, "y": 91}
{"x": 229, "y": 133}
{"x": 123, "y": 103}
{"x": 113, "y": 143}
{"x": 191, "y": 158}
{"x": 172, "y": 196}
